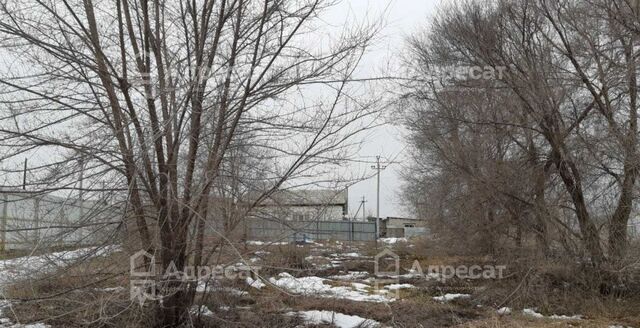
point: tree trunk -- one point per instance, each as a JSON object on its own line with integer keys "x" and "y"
{"x": 590, "y": 238}
{"x": 620, "y": 218}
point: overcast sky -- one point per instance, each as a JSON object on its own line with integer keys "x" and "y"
{"x": 403, "y": 17}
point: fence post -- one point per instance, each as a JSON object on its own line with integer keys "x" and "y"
{"x": 3, "y": 224}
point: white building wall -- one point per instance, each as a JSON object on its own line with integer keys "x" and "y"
{"x": 301, "y": 213}
{"x": 311, "y": 213}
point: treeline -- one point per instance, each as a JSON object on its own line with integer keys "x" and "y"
{"x": 523, "y": 122}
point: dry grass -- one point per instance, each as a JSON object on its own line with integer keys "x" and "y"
{"x": 525, "y": 322}
{"x": 72, "y": 298}
{"x": 289, "y": 256}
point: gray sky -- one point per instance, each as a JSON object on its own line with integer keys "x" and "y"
{"x": 403, "y": 17}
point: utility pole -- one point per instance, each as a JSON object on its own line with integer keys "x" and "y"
{"x": 24, "y": 175}
{"x": 378, "y": 167}
{"x": 361, "y": 206}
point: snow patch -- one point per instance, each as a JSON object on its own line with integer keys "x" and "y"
{"x": 566, "y": 317}
{"x": 533, "y": 313}
{"x": 360, "y": 286}
{"x": 393, "y": 240}
{"x": 399, "y": 286}
{"x": 351, "y": 275}
{"x": 504, "y": 311}
{"x": 202, "y": 309}
{"x": 339, "y": 320}
{"x": 352, "y": 254}
{"x": 31, "y": 325}
{"x": 315, "y": 286}
{"x": 28, "y": 266}
{"x": 268, "y": 243}
{"x": 111, "y": 289}
{"x": 255, "y": 283}
{"x": 450, "y": 297}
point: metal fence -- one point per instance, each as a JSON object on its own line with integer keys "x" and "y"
{"x": 263, "y": 229}
{"x": 410, "y": 232}
{"x": 30, "y": 220}
{"x": 34, "y": 220}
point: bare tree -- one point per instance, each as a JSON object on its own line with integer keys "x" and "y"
{"x": 164, "y": 91}
{"x": 566, "y": 104}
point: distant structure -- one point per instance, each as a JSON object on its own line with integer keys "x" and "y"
{"x": 29, "y": 220}
{"x": 400, "y": 227}
{"x": 306, "y": 205}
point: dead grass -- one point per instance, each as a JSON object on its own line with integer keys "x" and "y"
{"x": 72, "y": 298}
{"x": 524, "y": 322}
{"x": 289, "y": 256}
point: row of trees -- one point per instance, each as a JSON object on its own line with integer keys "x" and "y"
{"x": 177, "y": 104}
{"x": 545, "y": 147}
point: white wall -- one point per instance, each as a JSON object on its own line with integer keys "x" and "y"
{"x": 301, "y": 213}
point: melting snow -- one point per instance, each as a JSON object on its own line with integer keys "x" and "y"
{"x": 360, "y": 286}
{"x": 202, "y": 309}
{"x": 504, "y": 311}
{"x": 261, "y": 243}
{"x": 255, "y": 283}
{"x": 351, "y": 275}
{"x": 533, "y": 313}
{"x": 24, "y": 267}
{"x": 566, "y": 317}
{"x": 31, "y": 325}
{"x": 393, "y": 240}
{"x": 352, "y": 254}
{"x": 111, "y": 289}
{"x": 450, "y": 297}
{"x": 399, "y": 286}
{"x": 340, "y": 320}
{"x": 315, "y": 286}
